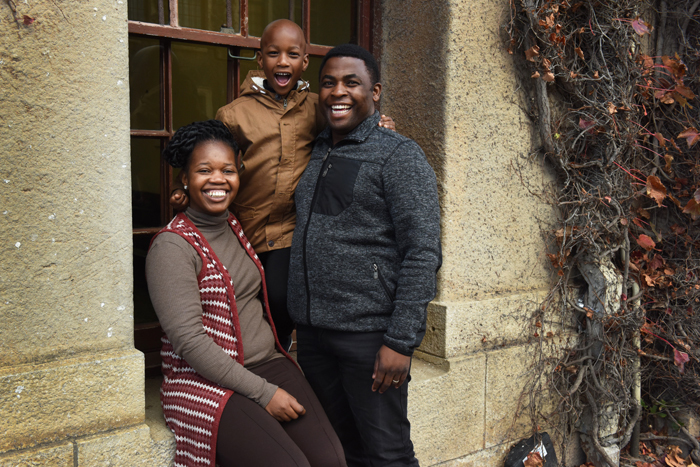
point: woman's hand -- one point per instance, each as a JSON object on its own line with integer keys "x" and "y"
{"x": 179, "y": 200}
{"x": 284, "y": 407}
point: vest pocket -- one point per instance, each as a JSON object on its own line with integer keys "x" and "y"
{"x": 337, "y": 186}
{"x": 243, "y": 212}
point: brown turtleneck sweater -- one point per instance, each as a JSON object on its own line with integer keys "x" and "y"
{"x": 172, "y": 266}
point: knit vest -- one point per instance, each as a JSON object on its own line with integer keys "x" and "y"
{"x": 192, "y": 405}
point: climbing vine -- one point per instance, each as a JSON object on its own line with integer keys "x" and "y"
{"x": 614, "y": 88}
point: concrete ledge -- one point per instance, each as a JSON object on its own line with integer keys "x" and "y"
{"x": 131, "y": 447}
{"x": 50, "y": 402}
{"x": 492, "y": 457}
{"x": 459, "y": 328}
{"x": 57, "y": 455}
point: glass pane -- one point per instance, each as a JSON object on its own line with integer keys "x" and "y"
{"x": 263, "y": 12}
{"x": 246, "y": 65}
{"x": 145, "y": 182}
{"x": 143, "y": 310}
{"x": 331, "y": 22}
{"x": 311, "y": 73}
{"x": 199, "y": 82}
{"x": 144, "y": 83}
{"x": 149, "y": 11}
{"x": 208, "y": 14}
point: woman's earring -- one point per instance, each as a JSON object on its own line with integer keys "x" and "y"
{"x": 185, "y": 187}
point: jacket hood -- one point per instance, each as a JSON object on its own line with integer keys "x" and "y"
{"x": 254, "y": 84}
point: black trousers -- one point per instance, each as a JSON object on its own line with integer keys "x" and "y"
{"x": 251, "y": 437}
{"x": 372, "y": 427}
{"x": 276, "y": 264}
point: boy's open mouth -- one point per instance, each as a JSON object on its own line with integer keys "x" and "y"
{"x": 283, "y": 78}
{"x": 340, "y": 109}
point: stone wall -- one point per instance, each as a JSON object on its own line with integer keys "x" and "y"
{"x": 450, "y": 84}
{"x": 68, "y": 368}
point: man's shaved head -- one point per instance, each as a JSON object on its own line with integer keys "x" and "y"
{"x": 285, "y": 25}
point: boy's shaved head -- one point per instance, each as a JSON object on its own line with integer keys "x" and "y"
{"x": 282, "y": 25}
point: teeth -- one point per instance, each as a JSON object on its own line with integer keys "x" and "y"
{"x": 216, "y": 193}
{"x": 340, "y": 109}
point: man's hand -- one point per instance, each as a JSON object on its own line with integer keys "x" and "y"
{"x": 390, "y": 369}
{"x": 388, "y": 123}
{"x": 284, "y": 407}
{"x": 179, "y": 200}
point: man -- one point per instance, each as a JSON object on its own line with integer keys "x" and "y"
{"x": 364, "y": 257}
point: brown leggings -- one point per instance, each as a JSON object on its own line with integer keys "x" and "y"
{"x": 249, "y": 436}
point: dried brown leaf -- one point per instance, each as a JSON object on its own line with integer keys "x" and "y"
{"x": 656, "y": 189}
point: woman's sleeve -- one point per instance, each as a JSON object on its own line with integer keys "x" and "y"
{"x": 171, "y": 271}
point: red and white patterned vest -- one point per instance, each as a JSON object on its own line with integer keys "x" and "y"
{"x": 192, "y": 405}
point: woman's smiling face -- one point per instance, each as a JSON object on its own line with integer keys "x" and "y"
{"x": 211, "y": 177}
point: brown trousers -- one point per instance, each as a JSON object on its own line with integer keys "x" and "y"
{"x": 250, "y": 437}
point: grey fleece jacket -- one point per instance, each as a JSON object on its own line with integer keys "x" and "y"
{"x": 366, "y": 247}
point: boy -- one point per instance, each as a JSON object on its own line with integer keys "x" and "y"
{"x": 275, "y": 121}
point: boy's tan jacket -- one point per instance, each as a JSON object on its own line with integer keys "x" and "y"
{"x": 276, "y": 137}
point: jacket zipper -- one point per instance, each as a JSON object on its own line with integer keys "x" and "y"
{"x": 378, "y": 275}
{"x": 285, "y": 104}
{"x": 322, "y": 173}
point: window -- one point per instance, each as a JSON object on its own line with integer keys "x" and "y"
{"x": 187, "y": 58}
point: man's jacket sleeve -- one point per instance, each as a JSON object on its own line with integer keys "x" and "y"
{"x": 410, "y": 190}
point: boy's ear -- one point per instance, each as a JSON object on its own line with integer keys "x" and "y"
{"x": 258, "y": 54}
{"x": 306, "y": 62}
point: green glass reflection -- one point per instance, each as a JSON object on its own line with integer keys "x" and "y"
{"x": 143, "y": 309}
{"x": 263, "y": 12}
{"x": 149, "y": 11}
{"x": 246, "y": 65}
{"x": 199, "y": 82}
{"x": 210, "y": 15}
{"x": 331, "y": 22}
{"x": 311, "y": 73}
{"x": 145, "y": 182}
{"x": 144, "y": 83}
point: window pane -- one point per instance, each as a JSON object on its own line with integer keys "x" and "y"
{"x": 246, "y": 65}
{"x": 143, "y": 309}
{"x": 311, "y": 73}
{"x": 145, "y": 182}
{"x": 331, "y": 22}
{"x": 208, "y": 14}
{"x": 262, "y": 12}
{"x": 148, "y": 11}
{"x": 144, "y": 83}
{"x": 199, "y": 82}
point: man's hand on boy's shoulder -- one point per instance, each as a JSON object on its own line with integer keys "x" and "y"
{"x": 179, "y": 200}
{"x": 387, "y": 122}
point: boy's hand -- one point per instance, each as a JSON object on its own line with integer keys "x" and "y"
{"x": 387, "y": 122}
{"x": 390, "y": 369}
{"x": 284, "y": 407}
{"x": 179, "y": 200}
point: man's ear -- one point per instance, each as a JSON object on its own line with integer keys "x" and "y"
{"x": 376, "y": 92}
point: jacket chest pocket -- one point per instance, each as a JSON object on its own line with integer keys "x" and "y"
{"x": 336, "y": 186}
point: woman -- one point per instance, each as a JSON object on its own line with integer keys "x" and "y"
{"x": 230, "y": 393}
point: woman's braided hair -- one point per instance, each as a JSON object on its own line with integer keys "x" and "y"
{"x": 178, "y": 151}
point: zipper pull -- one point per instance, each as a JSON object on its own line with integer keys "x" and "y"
{"x": 376, "y": 271}
{"x": 285, "y": 104}
{"x": 327, "y": 169}
{"x": 326, "y": 156}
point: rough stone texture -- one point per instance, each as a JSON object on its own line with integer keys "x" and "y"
{"x": 53, "y": 401}
{"x": 446, "y": 409}
{"x": 459, "y": 328}
{"x": 454, "y": 89}
{"x": 491, "y": 457}
{"x": 133, "y": 447}
{"x": 65, "y": 198}
{"x": 58, "y": 455}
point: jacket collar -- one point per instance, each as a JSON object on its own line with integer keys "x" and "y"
{"x": 359, "y": 134}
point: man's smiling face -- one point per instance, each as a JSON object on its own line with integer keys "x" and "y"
{"x": 347, "y": 94}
